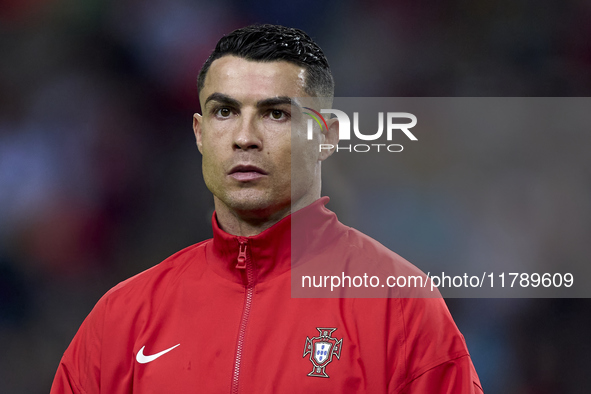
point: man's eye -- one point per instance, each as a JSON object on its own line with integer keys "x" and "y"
{"x": 224, "y": 112}
{"x": 277, "y": 114}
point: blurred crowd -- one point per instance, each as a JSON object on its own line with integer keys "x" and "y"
{"x": 100, "y": 178}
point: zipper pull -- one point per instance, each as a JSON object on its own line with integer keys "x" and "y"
{"x": 242, "y": 255}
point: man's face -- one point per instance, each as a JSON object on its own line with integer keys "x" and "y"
{"x": 245, "y": 137}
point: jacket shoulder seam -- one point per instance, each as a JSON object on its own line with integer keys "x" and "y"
{"x": 428, "y": 368}
{"x": 169, "y": 262}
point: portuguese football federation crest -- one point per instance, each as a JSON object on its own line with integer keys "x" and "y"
{"x": 321, "y": 350}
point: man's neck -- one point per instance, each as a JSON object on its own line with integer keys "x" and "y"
{"x": 242, "y": 225}
{"x": 249, "y": 223}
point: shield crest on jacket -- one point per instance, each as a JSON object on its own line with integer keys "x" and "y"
{"x": 322, "y": 349}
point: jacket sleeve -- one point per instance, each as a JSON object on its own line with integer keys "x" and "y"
{"x": 79, "y": 368}
{"x": 64, "y": 382}
{"x": 436, "y": 356}
{"x": 452, "y": 377}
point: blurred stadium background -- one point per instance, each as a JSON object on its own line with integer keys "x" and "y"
{"x": 100, "y": 178}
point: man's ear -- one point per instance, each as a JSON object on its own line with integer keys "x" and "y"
{"x": 330, "y": 139}
{"x": 197, "y": 119}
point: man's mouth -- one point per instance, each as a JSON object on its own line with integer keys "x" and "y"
{"x": 247, "y": 173}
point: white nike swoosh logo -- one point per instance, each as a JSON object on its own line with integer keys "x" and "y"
{"x": 142, "y": 359}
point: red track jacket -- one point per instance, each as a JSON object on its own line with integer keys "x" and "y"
{"x": 218, "y": 317}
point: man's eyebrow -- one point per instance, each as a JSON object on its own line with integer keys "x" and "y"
{"x": 269, "y": 102}
{"x": 273, "y": 101}
{"x": 223, "y": 98}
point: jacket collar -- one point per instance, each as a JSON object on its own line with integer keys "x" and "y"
{"x": 269, "y": 254}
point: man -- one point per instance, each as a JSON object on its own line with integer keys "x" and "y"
{"x": 218, "y": 317}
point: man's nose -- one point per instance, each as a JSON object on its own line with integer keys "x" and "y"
{"x": 248, "y": 134}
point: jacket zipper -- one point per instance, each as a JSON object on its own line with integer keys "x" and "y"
{"x": 244, "y": 262}
{"x": 242, "y": 255}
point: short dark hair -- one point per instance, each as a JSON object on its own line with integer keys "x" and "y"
{"x": 267, "y": 43}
